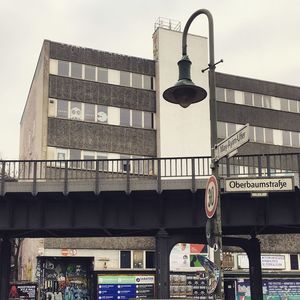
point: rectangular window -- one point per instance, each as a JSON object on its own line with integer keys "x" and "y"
{"x": 137, "y": 118}
{"x": 277, "y": 137}
{"x": 269, "y": 135}
{"x": 102, "y": 75}
{"x": 251, "y": 133}
{"x": 76, "y": 111}
{"x": 137, "y": 80}
{"x": 152, "y": 83}
{"x": 267, "y": 101}
{"x": 88, "y": 155}
{"x": 231, "y": 128}
{"x": 248, "y": 99}
{"x": 220, "y": 94}
{"x": 103, "y": 163}
{"x": 124, "y": 163}
{"x": 62, "y": 109}
{"x": 124, "y": 78}
{"x": 293, "y": 106}
{"x": 286, "y": 139}
{"x": 230, "y": 96}
{"x": 89, "y": 112}
{"x": 90, "y": 163}
{"x": 150, "y": 259}
{"x": 257, "y": 100}
{"x": 124, "y": 117}
{"x": 284, "y": 104}
{"x": 75, "y": 154}
{"x": 147, "y": 82}
{"x": 138, "y": 259}
{"x": 137, "y": 165}
{"x": 76, "y": 70}
{"x": 102, "y": 114}
{"x": 294, "y": 262}
{"x": 62, "y": 154}
{"x": 259, "y": 134}
{"x": 148, "y": 121}
{"x": 221, "y": 129}
{"x": 63, "y": 68}
{"x": 125, "y": 259}
{"x": 295, "y": 139}
{"x": 90, "y": 73}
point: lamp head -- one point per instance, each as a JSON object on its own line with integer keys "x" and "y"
{"x": 184, "y": 92}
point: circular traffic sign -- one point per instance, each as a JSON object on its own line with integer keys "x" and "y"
{"x": 211, "y": 196}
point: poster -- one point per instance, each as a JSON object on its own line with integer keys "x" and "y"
{"x": 267, "y": 262}
{"x": 185, "y": 257}
{"x": 21, "y": 291}
{"x": 189, "y": 285}
{"x": 273, "y": 289}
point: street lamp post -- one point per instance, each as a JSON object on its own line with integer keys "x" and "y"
{"x": 184, "y": 93}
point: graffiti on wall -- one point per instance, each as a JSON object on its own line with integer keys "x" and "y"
{"x": 61, "y": 279}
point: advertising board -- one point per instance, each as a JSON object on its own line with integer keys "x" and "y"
{"x": 124, "y": 287}
{"x": 273, "y": 289}
{"x": 19, "y": 291}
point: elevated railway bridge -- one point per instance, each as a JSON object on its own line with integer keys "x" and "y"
{"x": 161, "y": 197}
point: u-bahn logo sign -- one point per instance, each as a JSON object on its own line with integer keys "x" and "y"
{"x": 211, "y": 196}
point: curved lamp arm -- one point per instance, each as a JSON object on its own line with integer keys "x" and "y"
{"x": 210, "y": 34}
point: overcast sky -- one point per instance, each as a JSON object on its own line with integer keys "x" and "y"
{"x": 256, "y": 38}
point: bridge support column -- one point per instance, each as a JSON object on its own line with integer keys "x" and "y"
{"x": 5, "y": 261}
{"x": 162, "y": 265}
{"x": 252, "y": 249}
{"x": 254, "y": 256}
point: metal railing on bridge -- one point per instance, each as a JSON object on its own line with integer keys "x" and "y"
{"x": 155, "y": 168}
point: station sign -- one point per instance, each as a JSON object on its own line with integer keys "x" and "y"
{"x": 259, "y": 185}
{"x": 232, "y": 143}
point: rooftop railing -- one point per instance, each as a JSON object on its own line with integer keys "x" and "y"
{"x": 155, "y": 168}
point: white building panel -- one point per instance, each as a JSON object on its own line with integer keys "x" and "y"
{"x": 181, "y": 131}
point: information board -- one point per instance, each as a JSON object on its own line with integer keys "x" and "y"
{"x": 123, "y": 287}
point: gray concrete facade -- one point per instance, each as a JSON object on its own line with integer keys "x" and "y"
{"x": 259, "y": 116}
{"x": 101, "y": 93}
{"x": 102, "y": 59}
{"x": 257, "y": 86}
{"x": 101, "y": 137}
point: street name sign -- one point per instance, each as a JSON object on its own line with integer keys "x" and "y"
{"x": 232, "y": 143}
{"x": 211, "y": 196}
{"x": 259, "y": 185}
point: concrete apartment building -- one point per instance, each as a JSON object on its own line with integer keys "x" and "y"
{"x": 90, "y": 104}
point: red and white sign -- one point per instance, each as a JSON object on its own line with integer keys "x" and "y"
{"x": 211, "y": 196}
{"x": 68, "y": 252}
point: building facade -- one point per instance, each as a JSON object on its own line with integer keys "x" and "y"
{"x": 90, "y": 104}
{"x": 79, "y": 94}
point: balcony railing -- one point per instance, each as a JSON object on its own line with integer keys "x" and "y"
{"x": 154, "y": 168}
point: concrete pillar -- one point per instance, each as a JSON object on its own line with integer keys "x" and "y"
{"x": 5, "y": 261}
{"x": 162, "y": 265}
{"x": 255, "y": 274}
{"x": 252, "y": 248}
